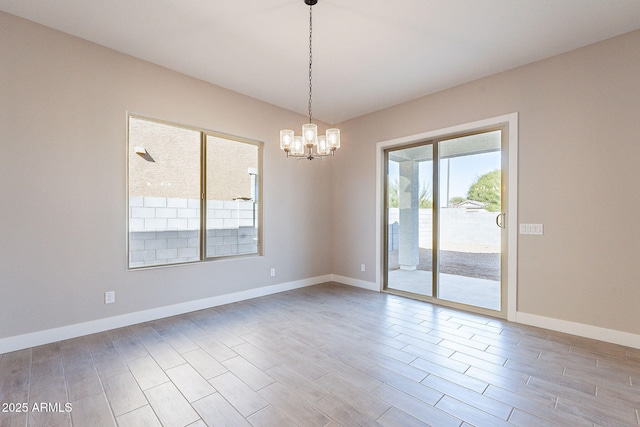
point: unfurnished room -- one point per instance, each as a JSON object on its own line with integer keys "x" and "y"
{"x": 319, "y": 213}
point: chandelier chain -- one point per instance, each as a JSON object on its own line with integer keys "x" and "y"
{"x": 310, "y": 145}
{"x": 310, "y": 57}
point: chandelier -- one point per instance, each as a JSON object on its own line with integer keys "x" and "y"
{"x": 310, "y": 145}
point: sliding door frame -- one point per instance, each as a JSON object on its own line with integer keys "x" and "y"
{"x": 509, "y": 126}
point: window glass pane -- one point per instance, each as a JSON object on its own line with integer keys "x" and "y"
{"x": 232, "y": 197}
{"x": 164, "y": 189}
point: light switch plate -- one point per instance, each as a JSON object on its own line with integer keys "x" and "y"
{"x": 535, "y": 229}
{"x": 110, "y": 297}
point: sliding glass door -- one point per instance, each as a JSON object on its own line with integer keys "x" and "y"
{"x": 410, "y": 219}
{"x": 470, "y": 220}
{"x": 444, "y": 220}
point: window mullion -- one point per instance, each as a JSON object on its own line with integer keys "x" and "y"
{"x": 203, "y": 195}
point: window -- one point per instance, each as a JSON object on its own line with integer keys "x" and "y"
{"x": 171, "y": 169}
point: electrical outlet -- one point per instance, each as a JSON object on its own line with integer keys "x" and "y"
{"x": 273, "y": 272}
{"x": 362, "y": 267}
{"x": 110, "y": 297}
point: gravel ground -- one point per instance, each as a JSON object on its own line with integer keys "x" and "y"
{"x": 480, "y": 265}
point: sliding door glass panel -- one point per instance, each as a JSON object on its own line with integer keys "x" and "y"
{"x": 410, "y": 218}
{"x": 470, "y": 209}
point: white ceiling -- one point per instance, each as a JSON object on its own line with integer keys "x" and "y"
{"x": 367, "y": 55}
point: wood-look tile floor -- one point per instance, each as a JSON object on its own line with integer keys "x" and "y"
{"x": 326, "y": 355}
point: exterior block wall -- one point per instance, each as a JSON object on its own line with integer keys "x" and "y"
{"x": 461, "y": 230}
{"x": 167, "y": 230}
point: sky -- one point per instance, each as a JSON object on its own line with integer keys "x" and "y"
{"x": 465, "y": 170}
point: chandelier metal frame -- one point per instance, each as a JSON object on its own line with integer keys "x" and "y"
{"x": 310, "y": 145}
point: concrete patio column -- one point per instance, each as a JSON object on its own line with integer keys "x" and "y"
{"x": 408, "y": 200}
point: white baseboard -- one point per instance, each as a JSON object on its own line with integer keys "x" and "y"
{"x": 33, "y": 339}
{"x": 587, "y": 331}
{"x": 372, "y": 286}
{"x": 72, "y": 331}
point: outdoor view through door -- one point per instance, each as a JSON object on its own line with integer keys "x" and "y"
{"x": 444, "y": 219}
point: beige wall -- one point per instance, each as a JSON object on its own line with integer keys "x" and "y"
{"x": 63, "y": 110}
{"x": 579, "y": 145}
{"x": 63, "y": 105}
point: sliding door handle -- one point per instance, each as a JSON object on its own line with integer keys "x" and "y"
{"x": 500, "y": 220}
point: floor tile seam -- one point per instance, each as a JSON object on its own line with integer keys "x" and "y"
{"x": 378, "y": 354}
{"x": 391, "y": 407}
{"x": 513, "y": 411}
{"x": 544, "y": 417}
{"x": 358, "y": 390}
{"x": 66, "y": 382}
{"x": 458, "y": 416}
{"x": 414, "y": 344}
{"x": 30, "y": 378}
{"x": 413, "y": 335}
{"x": 106, "y": 398}
{"x": 438, "y": 364}
{"x": 461, "y": 341}
{"x": 155, "y": 413}
{"x": 122, "y": 373}
{"x": 94, "y": 352}
{"x": 465, "y": 374}
{"x": 601, "y": 356}
{"x": 274, "y": 406}
{"x": 467, "y": 390}
{"x": 130, "y": 410}
{"x": 634, "y": 403}
{"x": 599, "y": 403}
{"x": 578, "y": 377}
{"x": 153, "y": 386}
{"x": 567, "y": 358}
{"x": 613, "y": 353}
{"x": 596, "y": 416}
{"x": 512, "y": 355}
{"x": 243, "y": 382}
{"x": 327, "y": 415}
{"x": 95, "y": 370}
{"x": 540, "y": 393}
{"x": 397, "y": 371}
{"x": 179, "y": 391}
{"x": 544, "y": 364}
{"x": 326, "y": 351}
{"x": 466, "y": 316}
{"x": 529, "y": 369}
{"x": 608, "y": 364}
{"x": 567, "y": 389}
{"x": 535, "y": 397}
{"x": 289, "y": 388}
{"x": 476, "y": 356}
{"x": 409, "y": 394}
